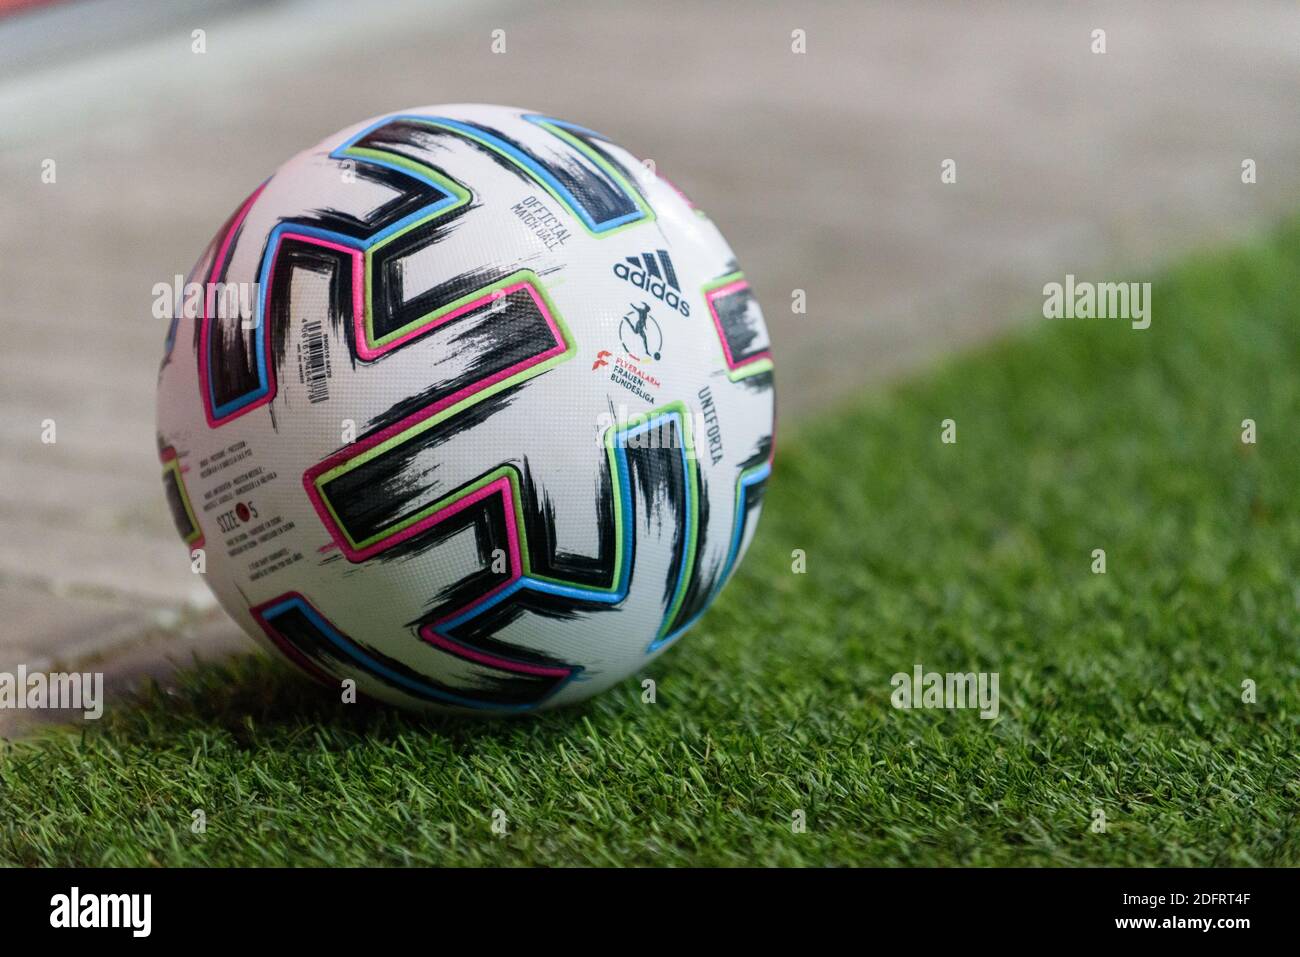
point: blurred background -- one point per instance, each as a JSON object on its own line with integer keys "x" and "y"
{"x": 126, "y": 139}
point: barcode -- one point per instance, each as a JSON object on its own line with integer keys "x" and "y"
{"x": 314, "y": 361}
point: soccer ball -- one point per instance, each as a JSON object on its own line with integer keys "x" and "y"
{"x": 469, "y": 406}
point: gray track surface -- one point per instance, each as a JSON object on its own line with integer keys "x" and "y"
{"x": 822, "y": 169}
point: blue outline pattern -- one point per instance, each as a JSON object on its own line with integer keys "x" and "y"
{"x": 525, "y": 161}
{"x": 580, "y": 592}
{"x": 264, "y": 277}
{"x": 367, "y": 663}
{"x": 531, "y": 165}
{"x": 354, "y": 652}
{"x": 753, "y": 477}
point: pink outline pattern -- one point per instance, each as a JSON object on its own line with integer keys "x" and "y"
{"x": 430, "y": 634}
{"x": 357, "y": 448}
{"x": 368, "y": 352}
{"x": 287, "y": 647}
{"x": 727, "y": 290}
{"x": 358, "y": 267}
{"x": 218, "y": 263}
{"x": 501, "y": 485}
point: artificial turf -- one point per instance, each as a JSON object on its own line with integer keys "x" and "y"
{"x": 1121, "y": 693}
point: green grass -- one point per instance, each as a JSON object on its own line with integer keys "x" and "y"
{"x": 1120, "y": 692}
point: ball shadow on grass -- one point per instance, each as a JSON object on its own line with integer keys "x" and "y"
{"x": 262, "y": 702}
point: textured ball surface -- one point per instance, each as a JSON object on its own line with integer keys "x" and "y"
{"x": 468, "y": 405}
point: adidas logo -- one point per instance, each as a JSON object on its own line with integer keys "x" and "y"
{"x": 654, "y": 273}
